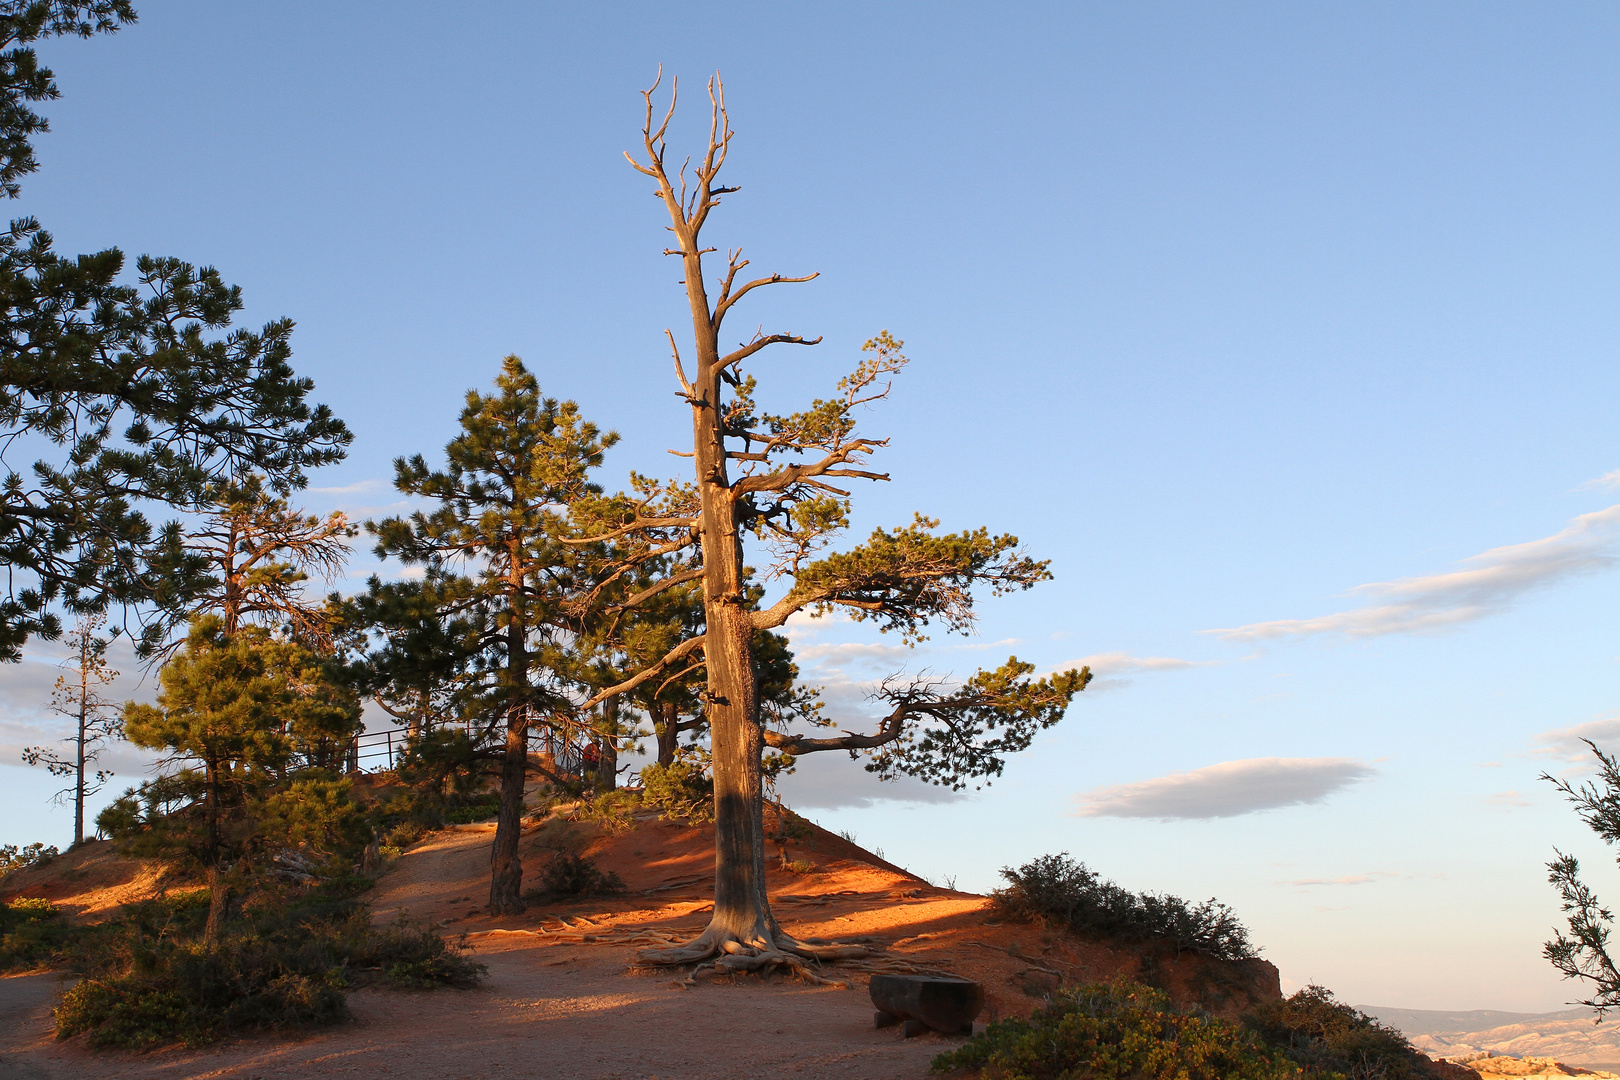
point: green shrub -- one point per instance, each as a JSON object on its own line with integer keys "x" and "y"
{"x": 1323, "y": 1035}
{"x": 575, "y": 875}
{"x": 31, "y": 935}
{"x": 31, "y": 909}
{"x": 284, "y": 961}
{"x": 479, "y": 809}
{"x": 1055, "y": 888}
{"x": 613, "y": 810}
{"x": 1119, "y": 1031}
{"x": 683, "y": 790}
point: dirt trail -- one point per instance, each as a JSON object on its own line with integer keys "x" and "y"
{"x": 562, "y": 1009}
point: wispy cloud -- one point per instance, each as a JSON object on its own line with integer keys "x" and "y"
{"x": 1228, "y": 789}
{"x": 1112, "y": 670}
{"x": 359, "y": 487}
{"x": 1567, "y": 743}
{"x": 832, "y": 781}
{"x": 1486, "y": 584}
{"x": 1004, "y": 643}
{"x": 1347, "y": 879}
{"x": 1607, "y": 480}
{"x": 851, "y": 652}
{"x": 1507, "y": 799}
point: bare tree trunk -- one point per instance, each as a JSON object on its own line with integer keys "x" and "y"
{"x": 607, "y": 747}
{"x": 742, "y": 925}
{"x": 216, "y": 888}
{"x": 78, "y": 784}
{"x": 505, "y": 863}
{"x": 741, "y": 909}
{"x": 667, "y": 729}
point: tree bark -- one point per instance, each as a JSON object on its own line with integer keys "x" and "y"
{"x": 78, "y": 784}
{"x": 506, "y": 866}
{"x": 667, "y": 728}
{"x": 216, "y": 888}
{"x": 607, "y": 746}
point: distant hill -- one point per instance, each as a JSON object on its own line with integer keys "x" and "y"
{"x": 1415, "y": 1022}
{"x": 1568, "y": 1035}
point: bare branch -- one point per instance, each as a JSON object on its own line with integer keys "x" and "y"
{"x": 683, "y": 649}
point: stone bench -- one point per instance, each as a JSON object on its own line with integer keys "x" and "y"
{"x": 926, "y": 1002}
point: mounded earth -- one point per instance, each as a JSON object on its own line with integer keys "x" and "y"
{"x": 562, "y": 999}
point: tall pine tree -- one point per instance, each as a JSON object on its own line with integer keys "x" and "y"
{"x": 494, "y": 564}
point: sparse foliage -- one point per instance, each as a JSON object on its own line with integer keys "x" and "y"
{"x": 97, "y": 720}
{"x": 259, "y": 551}
{"x": 29, "y": 856}
{"x": 1583, "y": 952}
{"x": 775, "y": 479}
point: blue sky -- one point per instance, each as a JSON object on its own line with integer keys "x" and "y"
{"x": 1228, "y": 310}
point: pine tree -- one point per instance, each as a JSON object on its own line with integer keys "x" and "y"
{"x": 97, "y": 721}
{"x": 128, "y": 384}
{"x": 494, "y": 564}
{"x": 239, "y": 717}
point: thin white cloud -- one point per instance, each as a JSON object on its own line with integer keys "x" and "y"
{"x": 1607, "y": 480}
{"x": 829, "y": 781}
{"x": 851, "y": 652}
{"x": 1347, "y": 879}
{"x": 356, "y": 488}
{"x": 1487, "y": 583}
{"x": 1004, "y": 643}
{"x": 1567, "y": 743}
{"x": 1507, "y": 799}
{"x": 1112, "y": 670}
{"x": 1228, "y": 789}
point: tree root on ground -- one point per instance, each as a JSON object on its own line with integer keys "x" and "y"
{"x": 712, "y": 956}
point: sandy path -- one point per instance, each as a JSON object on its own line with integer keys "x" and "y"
{"x": 547, "y": 1010}
{"x": 563, "y": 1012}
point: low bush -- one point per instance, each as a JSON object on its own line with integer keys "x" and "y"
{"x": 1323, "y": 1035}
{"x": 31, "y": 935}
{"x": 481, "y": 808}
{"x": 284, "y": 961}
{"x": 576, "y": 875}
{"x": 1056, "y": 889}
{"x": 1118, "y": 1031}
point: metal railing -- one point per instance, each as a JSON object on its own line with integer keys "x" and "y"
{"x": 379, "y": 751}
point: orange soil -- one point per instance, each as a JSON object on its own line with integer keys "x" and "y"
{"x": 88, "y": 883}
{"x": 564, "y": 1008}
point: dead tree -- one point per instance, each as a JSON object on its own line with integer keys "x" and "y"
{"x": 775, "y": 478}
{"x": 97, "y": 721}
{"x": 258, "y": 552}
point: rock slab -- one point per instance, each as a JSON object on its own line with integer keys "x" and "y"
{"x": 946, "y": 1005}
